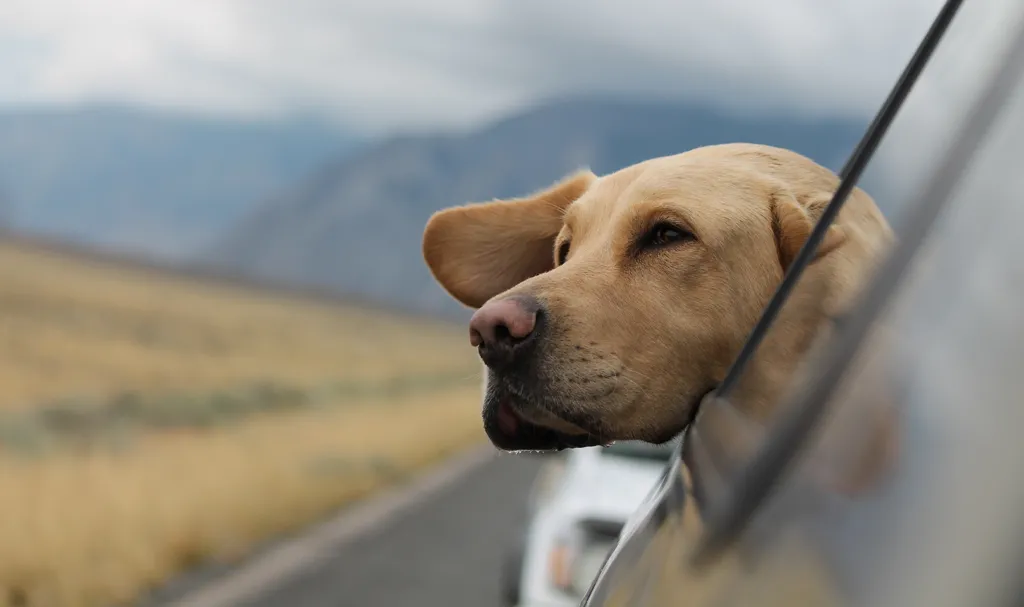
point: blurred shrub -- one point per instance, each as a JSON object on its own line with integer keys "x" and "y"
{"x": 84, "y": 425}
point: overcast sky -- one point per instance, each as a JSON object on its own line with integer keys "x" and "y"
{"x": 417, "y": 64}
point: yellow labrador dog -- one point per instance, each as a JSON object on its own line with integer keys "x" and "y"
{"x": 609, "y": 306}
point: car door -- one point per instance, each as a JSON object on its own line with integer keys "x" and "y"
{"x": 937, "y": 342}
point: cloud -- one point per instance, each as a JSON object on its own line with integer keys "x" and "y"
{"x": 401, "y": 65}
{"x": 801, "y": 55}
{"x": 408, "y": 64}
{"x": 936, "y": 108}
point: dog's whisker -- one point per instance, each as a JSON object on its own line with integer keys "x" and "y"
{"x": 638, "y": 373}
{"x": 634, "y": 383}
{"x": 466, "y": 378}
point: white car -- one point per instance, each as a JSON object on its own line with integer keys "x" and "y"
{"x": 578, "y": 505}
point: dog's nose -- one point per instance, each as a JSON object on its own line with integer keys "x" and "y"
{"x": 501, "y": 329}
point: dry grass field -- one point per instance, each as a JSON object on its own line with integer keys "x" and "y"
{"x": 149, "y": 422}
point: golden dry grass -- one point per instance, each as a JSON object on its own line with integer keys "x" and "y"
{"x": 76, "y": 326}
{"x": 98, "y": 527}
{"x": 96, "y": 530}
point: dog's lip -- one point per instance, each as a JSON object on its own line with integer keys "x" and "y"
{"x": 508, "y": 419}
{"x": 512, "y": 423}
{"x": 521, "y": 404}
{"x": 544, "y": 418}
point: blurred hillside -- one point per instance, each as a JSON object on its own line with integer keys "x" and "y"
{"x": 145, "y": 181}
{"x": 356, "y": 225}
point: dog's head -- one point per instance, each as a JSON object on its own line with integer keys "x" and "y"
{"x": 609, "y": 306}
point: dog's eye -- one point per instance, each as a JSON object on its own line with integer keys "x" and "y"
{"x": 563, "y": 252}
{"x": 663, "y": 234}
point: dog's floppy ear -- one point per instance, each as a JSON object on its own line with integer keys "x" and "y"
{"x": 479, "y": 250}
{"x": 793, "y": 222}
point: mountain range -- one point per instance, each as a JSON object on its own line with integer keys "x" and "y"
{"x": 148, "y": 182}
{"x": 304, "y": 204}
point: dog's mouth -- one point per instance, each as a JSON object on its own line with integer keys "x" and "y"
{"x": 696, "y": 406}
{"x": 514, "y": 421}
{"x": 509, "y": 429}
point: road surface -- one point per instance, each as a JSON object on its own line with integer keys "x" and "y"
{"x": 441, "y": 547}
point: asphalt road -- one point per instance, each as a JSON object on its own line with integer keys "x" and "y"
{"x": 445, "y": 549}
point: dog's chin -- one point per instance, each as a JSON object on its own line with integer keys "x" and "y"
{"x": 509, "y": 430}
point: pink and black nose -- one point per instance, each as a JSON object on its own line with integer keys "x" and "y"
{"x": 505, "y": 330}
